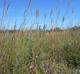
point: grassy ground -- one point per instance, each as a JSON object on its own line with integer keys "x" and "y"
{"x": 34, "y": 52}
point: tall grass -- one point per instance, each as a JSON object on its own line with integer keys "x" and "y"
{"x": 40, "y": 51}
{"x": 55, "y": 52}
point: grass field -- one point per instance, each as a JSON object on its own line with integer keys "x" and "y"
{"x": 35, "y": 52}
{"x": 39, "y": 37}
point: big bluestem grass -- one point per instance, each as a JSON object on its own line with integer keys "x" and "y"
{"x": 39, "y": 51}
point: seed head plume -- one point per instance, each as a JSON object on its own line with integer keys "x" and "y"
{"x": 7, "y": 7}
{"x": 37, "y": 12}
{"x": 28, "y": 7}
{"x": 4, "y": 6}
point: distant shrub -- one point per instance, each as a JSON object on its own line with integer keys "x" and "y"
{"x": 57, "y": 29}
{"x": 75, "y": 28}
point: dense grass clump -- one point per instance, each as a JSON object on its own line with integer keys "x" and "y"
{"x": 71, "y": 51}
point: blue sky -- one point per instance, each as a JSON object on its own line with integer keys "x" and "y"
{"x": 60, "y": 8}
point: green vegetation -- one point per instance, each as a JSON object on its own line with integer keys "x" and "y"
{"x": 29, "y": 52}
